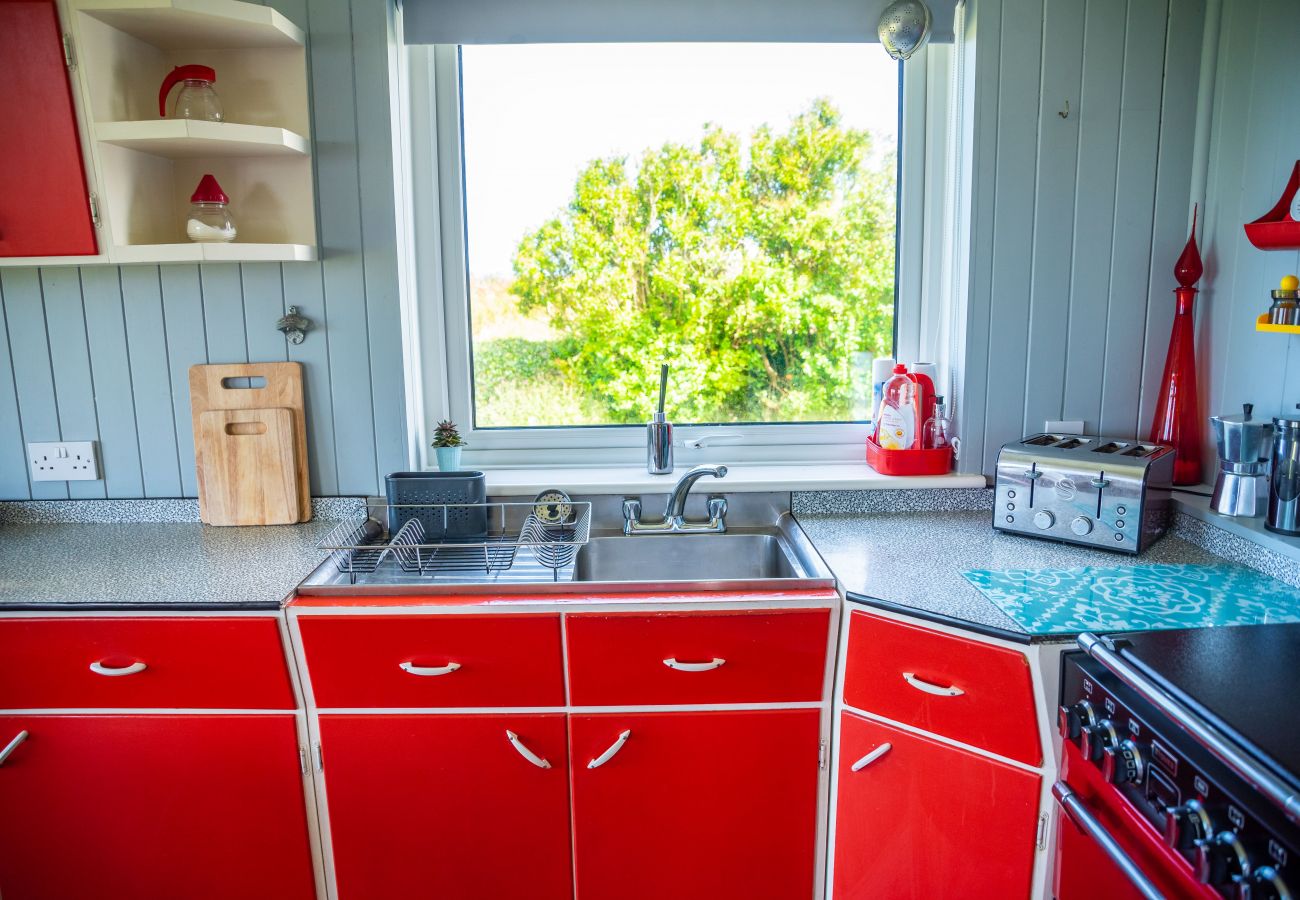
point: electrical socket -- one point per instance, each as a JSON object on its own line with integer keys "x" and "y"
{"x": 1064, "y": 426}
{"x": 64, "y": 461}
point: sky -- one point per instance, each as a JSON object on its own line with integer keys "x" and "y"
{"x": 535, "y": 114}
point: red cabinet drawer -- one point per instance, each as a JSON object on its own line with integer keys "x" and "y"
{"x": 197, "y": 662}
{"x": 628, "y": 659}
{"x": 434, "y": 661}
{"x": 966, "y": 690}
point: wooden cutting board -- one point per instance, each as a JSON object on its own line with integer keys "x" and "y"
{"x": 248, "y": 474}
{"x": 221, "y": 387}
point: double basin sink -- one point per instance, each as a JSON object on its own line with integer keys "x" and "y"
{"x": 762, "y": 548}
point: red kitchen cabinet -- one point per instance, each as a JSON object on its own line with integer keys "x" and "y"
{"x": 44, "y": 203}
{"x": 448, "y": 805}
{"x": 205, "y": 807}
{"x": 695, "y": 805}
{"x": 923, "y": 819}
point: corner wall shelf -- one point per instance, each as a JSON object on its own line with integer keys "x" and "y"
{"x": 214, "y": 252}
{"x": 1262, "y": 324}
{"x": 197, "y": 24}
{"x": 185, "y": 138}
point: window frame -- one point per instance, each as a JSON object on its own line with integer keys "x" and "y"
{"x": 439, "y": 377}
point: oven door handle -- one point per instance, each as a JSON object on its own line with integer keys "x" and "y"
{"x": 1089, "y": 825}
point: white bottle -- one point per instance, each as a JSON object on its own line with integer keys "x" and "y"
{"x": 896, "y": 426}
{"x": 880, "y": 371}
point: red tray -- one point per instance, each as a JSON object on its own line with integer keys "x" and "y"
{"x": 908, "y": 462}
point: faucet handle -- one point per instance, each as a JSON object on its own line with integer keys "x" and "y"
{"x": 717, "y": 508}
{"x": 631, "y": 510}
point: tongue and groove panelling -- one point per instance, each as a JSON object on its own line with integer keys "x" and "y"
{"x": 1076, "y": 220}
{"x": 102, "y": 352}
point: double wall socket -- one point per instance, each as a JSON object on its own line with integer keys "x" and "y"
{"x": 64, "y": 461}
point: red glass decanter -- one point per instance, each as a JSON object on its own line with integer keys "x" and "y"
{"x": 1177, "y": 421}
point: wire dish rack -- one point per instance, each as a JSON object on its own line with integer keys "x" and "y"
{"x": 517, "y": 544}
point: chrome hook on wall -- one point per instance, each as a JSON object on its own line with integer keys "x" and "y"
{"x": 1065, "y": 113}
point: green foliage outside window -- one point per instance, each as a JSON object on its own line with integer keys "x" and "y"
{"x": 763, "y": 273}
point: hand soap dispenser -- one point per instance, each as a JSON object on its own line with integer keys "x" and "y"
{"x": 659, "y": 434}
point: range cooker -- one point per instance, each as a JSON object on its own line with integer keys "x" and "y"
{"x": 1179, "y": 762}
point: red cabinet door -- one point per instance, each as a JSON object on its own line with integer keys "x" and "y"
{"x": 695, "y": 806}
{"x": 448, "y": 806}
{"x": 924, "y": 819}
{"x": 205, "y": 807}
{"x": 44, "y": 205}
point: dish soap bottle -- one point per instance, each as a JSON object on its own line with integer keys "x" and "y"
{"x": 896, "y": 424}
{"x": 937, "y": 432}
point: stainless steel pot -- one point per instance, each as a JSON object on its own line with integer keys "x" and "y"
{"x": 1284, "y": 488}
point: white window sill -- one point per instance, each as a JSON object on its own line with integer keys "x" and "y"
{"x": 507, "y": 482}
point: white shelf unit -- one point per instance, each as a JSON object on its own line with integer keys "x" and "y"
{"x": 145, "y": 167}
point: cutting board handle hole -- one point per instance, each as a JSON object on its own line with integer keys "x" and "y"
{"x": 254, "y": 382}
{"x": 245, "y": 428}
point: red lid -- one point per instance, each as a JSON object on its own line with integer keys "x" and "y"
{"x": 209, "y": 191}
{"x": 900, "y": 369}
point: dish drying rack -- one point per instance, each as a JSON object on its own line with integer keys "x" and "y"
{"x": 359, "y": 546}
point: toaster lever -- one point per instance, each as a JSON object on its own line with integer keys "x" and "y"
{"x": 1100, "y": 483}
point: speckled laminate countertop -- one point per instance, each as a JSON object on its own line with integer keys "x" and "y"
{"x": 157, "y": 564}
{"x": 913, "y": 561}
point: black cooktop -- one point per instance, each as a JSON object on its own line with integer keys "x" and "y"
{"x": 1246, "y": 677}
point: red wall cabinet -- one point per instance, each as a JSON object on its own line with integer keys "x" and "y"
{"x": 44, "y": 203}
{"x": 205, "y": 807}
{"x": 695, "y": 806}
{"x": 924, "y": 819}
{"x": 448, "y": 805}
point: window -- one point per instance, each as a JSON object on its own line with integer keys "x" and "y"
{"x": 728, "y": 209}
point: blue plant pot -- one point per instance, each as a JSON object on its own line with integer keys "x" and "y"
{"x": 448, "y": 458}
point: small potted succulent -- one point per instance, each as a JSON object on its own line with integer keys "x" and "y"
{"x": 447, "y": 444}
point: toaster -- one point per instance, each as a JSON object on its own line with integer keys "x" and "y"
{"x": 1103, "y": 492}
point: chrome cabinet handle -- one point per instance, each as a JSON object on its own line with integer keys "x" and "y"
{"x": 100, "y": 669}
{"x": 1088, "y": 824}
{"x": 871, "y": 757}
{"x": 12, "y": 746}
{"x": 680, "y": 666}
{"x": 429, "y": 670}
{"x": 927, "y": 687}
{"x": 527, "y": 754}
{"x": 609, "y": 754}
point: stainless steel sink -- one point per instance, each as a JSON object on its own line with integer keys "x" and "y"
{"x": 763, "y": 548}
{"x": 687, "y": 557}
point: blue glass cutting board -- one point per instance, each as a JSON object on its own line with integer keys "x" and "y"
{"x": 1136, "y": 598}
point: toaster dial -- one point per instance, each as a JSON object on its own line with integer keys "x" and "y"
{"x": 1081, "y": 525}
{"x": 1044, "y": 519}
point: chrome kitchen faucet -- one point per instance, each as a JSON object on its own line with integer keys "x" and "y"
{"x": 674, "y": 521}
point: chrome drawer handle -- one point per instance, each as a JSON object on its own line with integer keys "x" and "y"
{"x": 429, "y": 670}
{"x": 609, "y": 754}
{"x": 680, "y": 666}
{"x": 870, "y": 757}
{"x": 527, "y": 754}
{"x": 12, "y": 746}
{"x": 100, "y": 669}
{"x": 927, "y": 687}
{"x": 1086, "y": 822}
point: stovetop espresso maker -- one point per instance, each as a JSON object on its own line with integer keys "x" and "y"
{"x": 1241, "y": 488}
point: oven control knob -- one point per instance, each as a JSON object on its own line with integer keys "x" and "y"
{"x": 1070, "y": 720}
{"x": 1264, "y": 884}
{"x": 1122, "y": 763}
{"x": 1221, "y": 861}
{"x": 1094, "y": 739}
{"x": 1081, "y": 525}
{"x": 1044, "y": 519}
{"x": 1186, "y": 824}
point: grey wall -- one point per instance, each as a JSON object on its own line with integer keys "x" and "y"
{"x": 1256, "y": 141}
{"x": 1070, "y": 307}
{"x": 102, "y": 352}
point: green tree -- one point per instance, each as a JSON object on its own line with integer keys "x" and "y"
{"x": 757, "y": 273}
